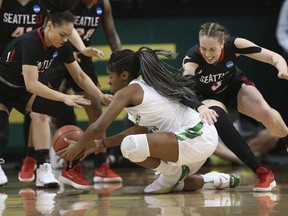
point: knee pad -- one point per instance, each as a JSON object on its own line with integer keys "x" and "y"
{"x": 135, "y": 148}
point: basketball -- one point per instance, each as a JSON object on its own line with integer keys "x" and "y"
{"x": 70, "y": 132}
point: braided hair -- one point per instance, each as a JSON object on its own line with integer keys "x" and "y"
{"x": 214, "y": 30}
{"x": 165, "y": 79}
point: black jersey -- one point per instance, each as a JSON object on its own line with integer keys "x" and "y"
{"x": 30, "y": 49}
{"x": 15, "y": 19}
{"x": 212, "y": 79}
{"x": 88, "y": 20}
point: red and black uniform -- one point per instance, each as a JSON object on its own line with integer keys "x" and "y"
{"x": 221, "y": 81}
{"x": 17, "y": 53}
{"x": 15, "y": 19}
{"x": 86, "y": 23}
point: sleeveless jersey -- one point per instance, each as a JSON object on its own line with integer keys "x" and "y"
{"x": 88, "y": 20}
{"x": 212, "y": 79}
{"x": 160, "y": 113}
{"x": 16, "y": 19}
{"x": 30, "y": 49}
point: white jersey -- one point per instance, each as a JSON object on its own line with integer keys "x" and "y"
{"x": 160, "y": 113}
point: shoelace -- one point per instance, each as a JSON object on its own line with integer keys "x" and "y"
{"x": 78, "y": 171}
{"x": 262, "y": 176}
{"x": 28, "y": 164}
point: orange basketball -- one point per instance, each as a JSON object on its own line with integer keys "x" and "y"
{"x": 70, "y": 132}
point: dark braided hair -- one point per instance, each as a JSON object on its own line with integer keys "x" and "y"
{"x": 165, "y": 79}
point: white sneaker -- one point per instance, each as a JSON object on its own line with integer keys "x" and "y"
{"x": 221, "y": 180}
{"x": 166, "y": 184}
{"x": 3, "y": 177}
{"x": 45, "y": 202}
{"x": 45, "y": 177}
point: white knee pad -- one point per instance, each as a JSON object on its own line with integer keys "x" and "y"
{"x": 135, "y": 148}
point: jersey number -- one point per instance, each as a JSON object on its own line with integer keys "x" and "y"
{"x": 87, "y": 35}
{"x": 20, "y": 31}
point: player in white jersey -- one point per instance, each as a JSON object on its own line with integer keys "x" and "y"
{"x": 167, "y": 136}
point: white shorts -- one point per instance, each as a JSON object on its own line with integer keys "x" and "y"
{"x": 196, "y": 148}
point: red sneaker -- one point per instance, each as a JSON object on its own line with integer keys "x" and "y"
{"x": 27, "y": 170}
{"x": 266, "y": 178}
{"x": 105, "y": 174}
{"x": 75, "y": 178}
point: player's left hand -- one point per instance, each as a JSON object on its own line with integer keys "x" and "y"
{"x": 207, "y": 115}
{"x": 72, "y": 152}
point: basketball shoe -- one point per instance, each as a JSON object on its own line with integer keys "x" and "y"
{"x": 220, "y": 181}
{"x": 3, "y": 177}
{"x": 266, "y": 180}
{"x": 75, "y": 178}
{"x": 166, "y": 184}
{"x": 105, "y": 174}
{"x": 26, "y": 173}
{"x": 45, "y": 177}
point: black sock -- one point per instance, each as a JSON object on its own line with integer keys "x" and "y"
{"x": 26, "y": 126}
{"x": 233, "y": 140}
{"x": 42, "y": 156}
{"x": 30, "y": 151}
{"x": 99, "y": 159}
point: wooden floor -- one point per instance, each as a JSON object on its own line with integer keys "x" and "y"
{"x": 128, "y": 198}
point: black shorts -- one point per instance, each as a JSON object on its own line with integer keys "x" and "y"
{"x": 229, "y": 96}
{"x": 57, "y": 73}
{"x": 14, "y": 97}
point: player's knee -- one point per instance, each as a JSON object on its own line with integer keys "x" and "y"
{"x": 135, "y": 148}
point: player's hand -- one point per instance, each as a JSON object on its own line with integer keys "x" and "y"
{"x": 106, "y": 99}
{"x": 207, "y": 115}
{"x": 92, "y": 148}
{"x": 92, "y": 52}
{"x": 71, "y": 153}
{"x": 76, "y": 101}
{"x": 283, "y": 75}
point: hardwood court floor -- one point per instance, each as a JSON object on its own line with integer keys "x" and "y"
{"x": 128, "y": 199}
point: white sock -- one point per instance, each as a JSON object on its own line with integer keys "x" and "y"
{"x": 166, "y": 168}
